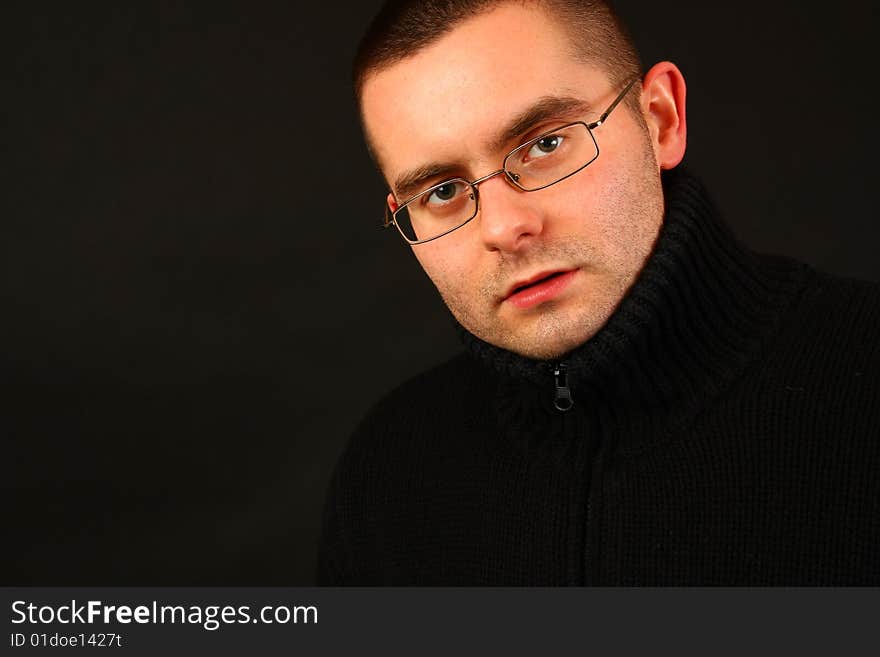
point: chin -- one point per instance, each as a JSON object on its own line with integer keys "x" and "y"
{"x": 550, "y": 347}
{"x": 549, "y": 338}
{"x": 543, "y": 352}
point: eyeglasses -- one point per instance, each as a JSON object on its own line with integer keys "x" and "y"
{"x": 542, "y": 161}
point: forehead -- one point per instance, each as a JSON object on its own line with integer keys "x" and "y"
{"x": 448, "y": 100}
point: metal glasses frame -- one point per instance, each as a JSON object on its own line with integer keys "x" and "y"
{"x": 513, "y": 178}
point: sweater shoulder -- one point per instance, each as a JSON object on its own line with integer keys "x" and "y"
{"x": 418, "y": 390}
{"x": 830, "y": 331}
{"x": 846, "y": 290}
{"x": 417, "y": 408}
{"x": 380, "y": 468}
{"x": 841, "y": 310}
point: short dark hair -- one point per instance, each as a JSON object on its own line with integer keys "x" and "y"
{"x": 403, "y": 27}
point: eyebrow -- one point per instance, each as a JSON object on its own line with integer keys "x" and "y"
{"x": 546, "y": 107}
{"x": 413, "y": 181}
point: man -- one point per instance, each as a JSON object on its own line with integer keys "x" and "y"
{"x": 641, "y": 399}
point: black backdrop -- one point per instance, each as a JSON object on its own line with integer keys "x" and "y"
{"x": 198, "y": 303}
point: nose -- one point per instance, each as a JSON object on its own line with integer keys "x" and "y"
{"x": 508, "y": 219}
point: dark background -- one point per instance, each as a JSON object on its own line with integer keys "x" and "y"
{"x": 198, "y": 303}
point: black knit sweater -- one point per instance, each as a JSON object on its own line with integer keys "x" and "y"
{"x": 725, "y": 429}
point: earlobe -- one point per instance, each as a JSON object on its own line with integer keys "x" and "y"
{"x": 663, "y": 103}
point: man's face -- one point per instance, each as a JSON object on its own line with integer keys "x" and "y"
{"x": 585, "y": 239}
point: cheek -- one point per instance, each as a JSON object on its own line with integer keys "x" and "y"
{"x": 440, "y": 264}
{"x": 455, "y": 275}
{"x": 631, "y": 214}
{"x": 576, "y": 214}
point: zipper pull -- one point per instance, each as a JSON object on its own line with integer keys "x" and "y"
{"x": 563, "y": 400}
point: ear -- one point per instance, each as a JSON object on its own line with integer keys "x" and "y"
{"x": 392, "y": 204}
{"x": 663, "y": 105}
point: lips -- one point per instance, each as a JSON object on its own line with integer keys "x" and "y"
{"x": 534, "y": 280}
{"x": 538, "y": 289}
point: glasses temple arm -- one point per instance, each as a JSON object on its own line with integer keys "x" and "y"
{"x": 620, "y": 97}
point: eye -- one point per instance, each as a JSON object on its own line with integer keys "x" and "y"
{"x": 545, "y": 146}
{"x": 444, "y": 193}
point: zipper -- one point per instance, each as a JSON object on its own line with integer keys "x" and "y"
{"x": 562, "y": 401}
{"x": 583, "y": 574}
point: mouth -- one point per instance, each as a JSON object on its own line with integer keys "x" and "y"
{"x": 539, "y": 288}
{"x": 520, "y": 286}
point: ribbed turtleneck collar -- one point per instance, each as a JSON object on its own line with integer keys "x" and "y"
{"x": 690, "y": 323}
